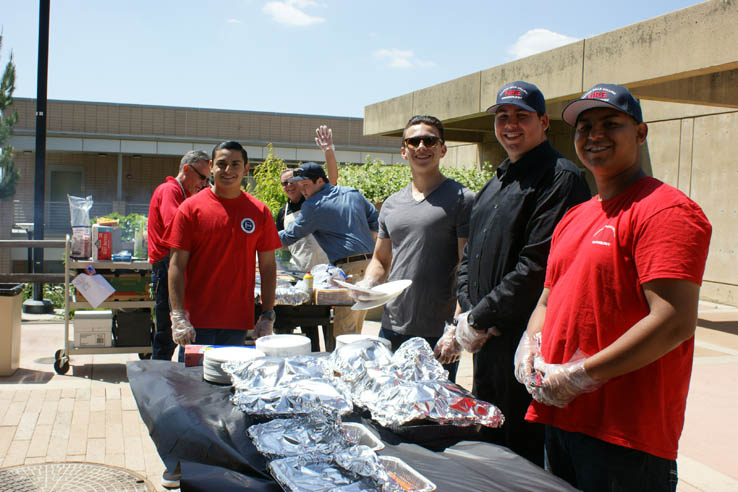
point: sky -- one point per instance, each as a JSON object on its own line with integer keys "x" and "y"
{"x": 324, "y": 57}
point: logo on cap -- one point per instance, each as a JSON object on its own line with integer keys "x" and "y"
{"x": 248, "y": 225}
{"x": 512, "y": 93}
{"x": 600, "y": 93}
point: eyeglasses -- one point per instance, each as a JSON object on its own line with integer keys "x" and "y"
{"x": 428, "y": 141}
{"x": 285, "y": 183}
{"x": 202, "y": 177}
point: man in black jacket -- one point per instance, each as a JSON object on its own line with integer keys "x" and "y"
{"x": 502, "y": 272}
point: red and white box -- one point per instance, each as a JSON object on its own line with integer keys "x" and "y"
{"x": 102, "y": 242}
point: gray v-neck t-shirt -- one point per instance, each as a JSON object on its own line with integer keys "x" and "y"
{"x": 424, "y": 237}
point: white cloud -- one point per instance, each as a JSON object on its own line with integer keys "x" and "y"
{"x": 234, "y": 21}
{"x": 402, "y": 59}
{"x": 536, "y": 41}
{"x": 290, "y": 12}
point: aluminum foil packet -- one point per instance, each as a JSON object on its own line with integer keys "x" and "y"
{"x": 351, "y": 361}
{"x": 274, "y": 386}
{"x": 270, "y": 372}
{"x": 291, "y": 296}
{"x": 356, "y": 469}
{"x": 311, "y": 434}
{"x": 411, "y": 385}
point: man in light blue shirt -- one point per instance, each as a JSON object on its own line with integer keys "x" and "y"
{"x": 345, "y": 225}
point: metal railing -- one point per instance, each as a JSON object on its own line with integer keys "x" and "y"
{"x": 51, "y": 278}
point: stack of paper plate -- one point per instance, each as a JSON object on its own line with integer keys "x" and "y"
{"x": 214, "y": 358}
{"x": 342, "y": 340}
{"x": 283, "y": 345}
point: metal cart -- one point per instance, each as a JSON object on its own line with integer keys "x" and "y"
{"x": 71, "y": 268}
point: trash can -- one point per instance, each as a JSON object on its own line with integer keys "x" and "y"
{"x": 10, "y": 327}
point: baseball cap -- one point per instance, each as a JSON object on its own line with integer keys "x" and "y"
{"x": 521, "y": 94}
{"x": 308, "y": 170}
{"x": 603, "y": 96}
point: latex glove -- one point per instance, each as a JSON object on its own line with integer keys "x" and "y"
{"x": 470, "y": 339}
{"x": 264, "y": 327}
{"x": 365, "y": 283}
{"x": 528, "y": 350}
{"x": 183, "y": 332}
{"x": 324, "y": 138}
{"x": 559, "y": 384}
{"x": 447, "y": 349}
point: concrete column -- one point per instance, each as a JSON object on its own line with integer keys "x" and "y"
{"x": 119, "y": 195}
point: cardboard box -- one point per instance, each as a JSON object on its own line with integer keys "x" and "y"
{"x": 128, "y": 287}
{"x": 89, "y": 339}
{"x": 102, "y": 242}
{"x": 333, "y": 297}
{"x": 93, "y": 321}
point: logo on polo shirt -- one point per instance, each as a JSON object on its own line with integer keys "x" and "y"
{"x": 605, "y": 236}
{"x": 248, "y": 225}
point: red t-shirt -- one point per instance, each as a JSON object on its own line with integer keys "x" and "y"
{"x": 222, "y": 237}
{"x": 601, "y": 254}
{"x": 164, "y": 202}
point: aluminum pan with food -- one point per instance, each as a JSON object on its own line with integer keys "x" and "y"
{"x": 359, "y": 434}
{"x": 405, "y": 476}
{"x": 312, "y": 434}
{"x": 355, "y": 469}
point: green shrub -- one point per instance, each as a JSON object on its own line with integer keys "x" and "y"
{"x": 267, "y": 184}
{"x": 52, "y": 292}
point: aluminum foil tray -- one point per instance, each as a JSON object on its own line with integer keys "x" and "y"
{"x": 360, "y": 434}
{"x": 406, "y": 476}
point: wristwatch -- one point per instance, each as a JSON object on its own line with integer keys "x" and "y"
{"x": 270, "y": 315}
{"x": 471, "y": 323}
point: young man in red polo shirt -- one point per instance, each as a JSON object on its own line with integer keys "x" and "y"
{"x": 617, "y": 316}
{"x": 215, "y": 238}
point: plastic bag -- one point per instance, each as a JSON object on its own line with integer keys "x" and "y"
{"x": 79, "y": 217}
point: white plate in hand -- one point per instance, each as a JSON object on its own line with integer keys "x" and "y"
{"x": 362, "y": 292}
{"x": 390, "y": 290}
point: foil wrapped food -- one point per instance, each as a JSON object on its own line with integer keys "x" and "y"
{"x": 355, "y": 469}
{"x": 291, "y": 296}
{"x": 411, "y": 386}
{"x": 311, "y": 434}
{"x": 273, "y": 386}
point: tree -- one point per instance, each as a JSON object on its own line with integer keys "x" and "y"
{"x": 8, "y": 173}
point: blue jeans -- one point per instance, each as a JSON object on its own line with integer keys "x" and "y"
{"x": 215, "y": 336}
{"x": 163, "y": 346}
{"x": 397, "y": 339}
{"x": 590, "y": 464}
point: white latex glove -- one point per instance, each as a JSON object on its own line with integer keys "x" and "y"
{"x": 470, "y": 339}
{"x": 528, "y": 350}
{"x": 264, "y": 327}
{"x": 559, "y": 384}
{"x": 324, "y": 138}
{"x": 447, "y": 349}
{"x": 365, "y": 283}
{"x": 183, "y": 332}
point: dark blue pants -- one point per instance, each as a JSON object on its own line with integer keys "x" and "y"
{"x": 593, "y": 465}
{"x": 163, "y": 346}
{"x": 396, "y": 339}
{"x": 215, "y": 336}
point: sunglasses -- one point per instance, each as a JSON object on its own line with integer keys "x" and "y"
{"x": 202, "y": 177}
{"x": 285, "y": 183}
{"x": 428, "y": 141}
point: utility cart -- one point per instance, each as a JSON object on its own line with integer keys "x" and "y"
{"x": 72, "y": 268}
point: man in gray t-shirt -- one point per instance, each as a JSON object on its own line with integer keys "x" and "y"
{"x": 422, "y": 232}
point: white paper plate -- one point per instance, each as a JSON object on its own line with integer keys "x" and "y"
{"x": 367, "y": 293}
{"x": 283, "y": 345}
{"x": 224, "y": 354}
{"x": 390, "y": 289}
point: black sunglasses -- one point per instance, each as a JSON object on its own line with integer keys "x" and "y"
{"x": 285, "y": 183}
{"x": 202, "y": 177}
{"x": 428, "y": 141}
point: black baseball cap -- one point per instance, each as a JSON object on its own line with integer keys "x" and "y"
{"x": 521, "y": 94}
{"x": 308, "y": 170}
{"x": 603, "y": 96}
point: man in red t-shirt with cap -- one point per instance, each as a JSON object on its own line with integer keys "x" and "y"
{"x": 192, "y": 177}
{"x": 607, "y": 355}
